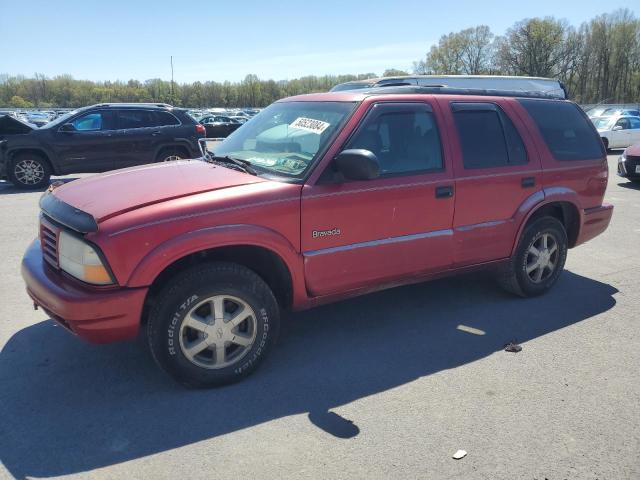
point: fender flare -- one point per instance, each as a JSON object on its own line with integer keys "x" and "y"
{"x": 180, "y": 143}
{"x": 12, "y": 151}
{"x": 176, "y": 248}
{"x": 539, "y": 199}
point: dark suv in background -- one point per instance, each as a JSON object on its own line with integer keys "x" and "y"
{"x": 99, "y": 138}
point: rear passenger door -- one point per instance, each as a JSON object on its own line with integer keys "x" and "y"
{"x": 496, "y": 169}
{"x": 363, "y": 233}
{"x": 137, "y": 136}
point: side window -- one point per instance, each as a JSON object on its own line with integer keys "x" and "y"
{"x": 164, "y": 119}
{"x": 624, "y": 123}
{"x": 135, "y": 119}
{"x": 487, "y": 136}
{"x": 89, "y": 122}
{"x": 565, "y": 129}
{"x": 634, "y": 123}
{"x": 404, "y": 138}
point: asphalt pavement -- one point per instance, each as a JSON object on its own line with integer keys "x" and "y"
{"x": 389, "y": 385}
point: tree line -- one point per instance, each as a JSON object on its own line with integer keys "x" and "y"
{"x": 599, "y": 61}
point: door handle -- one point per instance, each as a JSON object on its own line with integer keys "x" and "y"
{"x": 528, "y": 182}
{"x": 445, "y": 191}
{"x": 156, "y": 133}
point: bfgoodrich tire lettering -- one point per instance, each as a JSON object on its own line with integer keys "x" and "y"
{"x": 189, "y": 296}
{"x": 539, "y": 259}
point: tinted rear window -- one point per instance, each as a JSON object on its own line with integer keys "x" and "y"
{"x": 565, "y": 129}
{"x": 488, "y": 137}
{"x": 136, "y": 119}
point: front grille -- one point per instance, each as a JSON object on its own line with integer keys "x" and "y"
{"x": 49, "y": 242}
{"x": 630, "y": 164}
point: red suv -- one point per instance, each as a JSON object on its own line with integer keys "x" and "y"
{"x": 318, "y": 198}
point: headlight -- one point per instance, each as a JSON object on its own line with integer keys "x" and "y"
{"x": 80, "y": 259}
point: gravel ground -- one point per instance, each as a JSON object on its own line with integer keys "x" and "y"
{"x": 384, "y": 386}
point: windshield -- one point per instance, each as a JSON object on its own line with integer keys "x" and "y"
{"x": 285, "y": 138}
{"x": 60, "y": 120}
{"x": 602, "y": 123}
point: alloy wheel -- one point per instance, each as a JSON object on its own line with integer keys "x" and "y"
{"x": 542, "y": 257}
{"x": 218, "y": 332}
{"x": 29, "y": 172}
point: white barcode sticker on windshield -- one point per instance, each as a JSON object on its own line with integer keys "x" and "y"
{"x": 310, "y": 125}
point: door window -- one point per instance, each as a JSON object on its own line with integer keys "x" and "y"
{"x": 624, "y": 123}
{"x": 89, "y": 122}
{"x": 634, "y": 123}
{"x": 136, "y": 119}
{"x": 404, "y": 137}
{"x": 488, "y": 137}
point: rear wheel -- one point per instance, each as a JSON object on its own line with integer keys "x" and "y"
{"x": 170, "y": 154}
{"x": 213, "y": 324}
{"x": 539, "y": 258}
{"x": 29, "y": 171}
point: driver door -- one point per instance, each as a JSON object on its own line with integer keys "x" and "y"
{"x": 87, "y": 148}
{"x": 359, "y": 234}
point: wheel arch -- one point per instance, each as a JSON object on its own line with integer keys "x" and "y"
{"x": 11, "y": 154}
{"x": 262, "y": 250}
{"x": 559, "y": 203}
{"x": 176, "y": 145}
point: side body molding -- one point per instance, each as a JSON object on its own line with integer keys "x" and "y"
{"x": 225, "y": 235}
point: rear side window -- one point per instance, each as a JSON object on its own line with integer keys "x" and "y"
{"x": 565, "y": 129}
{"x": 164, "y": 119}
{"x": 487, "y": 136}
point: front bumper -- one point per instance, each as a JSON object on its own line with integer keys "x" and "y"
{"x": 94, "y": 314}
{"x": 594, "y": 222}
{"x": 627, "y": 166}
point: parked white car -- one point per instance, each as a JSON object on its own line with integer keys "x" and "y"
{"x": 618, "y": 131}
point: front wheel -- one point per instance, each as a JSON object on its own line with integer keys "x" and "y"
{"x": 29, "y": 171}
{"x": 539, "y": 258}
{"x": 213, "y": 324}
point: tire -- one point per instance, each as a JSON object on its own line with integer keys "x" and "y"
{"x": 521, "y": 275}
{"x": 187, "y": 305}
{"x": 29, "y": 171}
{"x": 169, "y": 154}
{"x": 605, "y": 141}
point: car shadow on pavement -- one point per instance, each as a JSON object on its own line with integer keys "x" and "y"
{"x": 68, "y": 407}
{"x": 630, "y": 185}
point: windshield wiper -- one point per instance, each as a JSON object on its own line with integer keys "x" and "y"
{"x": 239, "y": 164}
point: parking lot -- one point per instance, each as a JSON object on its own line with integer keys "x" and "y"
{"x": 388, "y": 385}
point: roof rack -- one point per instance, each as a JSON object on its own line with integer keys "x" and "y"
{"x": 549, "y": 86}
{"x": 445, "y": 90}
{"x": 134, "y": 104}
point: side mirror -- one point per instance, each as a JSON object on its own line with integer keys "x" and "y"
{"x": 358, "y": 164}
{"x": 68, "y": 127}
{"x": 617, "y": 127}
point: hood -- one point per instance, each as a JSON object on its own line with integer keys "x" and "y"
{"x": 110, "y": 194}
{"x": 633, "y": 150}
{"x": 13, "y": 126}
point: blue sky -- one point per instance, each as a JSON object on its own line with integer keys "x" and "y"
{"x": 225, "y": 40}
